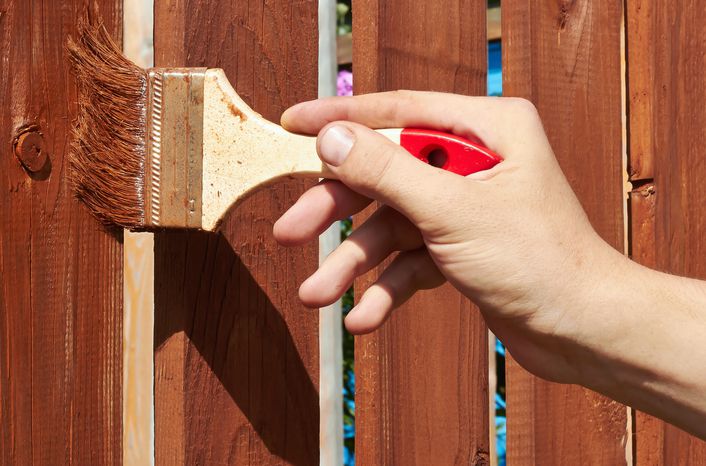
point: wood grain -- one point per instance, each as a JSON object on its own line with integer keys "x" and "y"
{"x": 236, "y": 355}
{"x": 138, "y": 286}
{"x": 330, "y": 317}
{"x": 667, "y": 115}
{"x": 61, "y": 272}
{"x": 422, "y": 379}
{"x": 641, "y": 71}
{"x": 494, "y": 23}
{"x": 138, "y": 334}
{"x": 565, "y": 57}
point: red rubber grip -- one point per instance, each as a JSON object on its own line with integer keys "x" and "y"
{"x": 447, "y": 151}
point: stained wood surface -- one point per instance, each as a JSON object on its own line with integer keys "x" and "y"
{"x": 236, "y": 355}
{"x": 667, "y": 115}
{"x": 565, "y": 57}
{"x": 421, "y": 380}
{"x": 61, "y": 272}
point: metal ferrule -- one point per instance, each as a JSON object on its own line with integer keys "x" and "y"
{"x": 173, "y": 178}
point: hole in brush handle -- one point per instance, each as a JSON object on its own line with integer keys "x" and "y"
{"x": 448, "y": 151}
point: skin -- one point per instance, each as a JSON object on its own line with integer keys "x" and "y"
{"x": 514, "y": 239}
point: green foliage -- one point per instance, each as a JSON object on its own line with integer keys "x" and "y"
{"x": 343, "y": 17}
{"x": 348, "y": 361}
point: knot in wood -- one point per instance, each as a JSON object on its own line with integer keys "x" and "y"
{"x": 30, "y": 149}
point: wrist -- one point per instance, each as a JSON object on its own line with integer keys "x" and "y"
{"x": 641, "y": 342}
{"x": 598, "y": 313}
{"x": 564, "y": 337}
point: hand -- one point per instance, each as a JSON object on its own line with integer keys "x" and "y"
{"x": 514, "y": 239}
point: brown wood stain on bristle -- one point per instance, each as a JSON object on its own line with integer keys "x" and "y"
{"x": 107, "y": 157}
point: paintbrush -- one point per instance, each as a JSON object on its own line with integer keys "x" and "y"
{"x": 177, "y": 147}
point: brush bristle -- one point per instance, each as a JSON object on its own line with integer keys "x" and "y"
{"x": 107, "y": 157}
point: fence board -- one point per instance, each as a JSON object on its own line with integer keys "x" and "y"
{"x": 61, "y": 272}
{"x": 422, "y": 380}
{"x": 566, "y": 58}
{"x": 666, "y": 55}
{"x": 236, "y": 355}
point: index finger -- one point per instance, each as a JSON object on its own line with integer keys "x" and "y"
{"x": 485, "y": 118}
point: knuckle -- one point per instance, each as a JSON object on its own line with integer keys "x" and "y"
{"x": 403, "y": 94}
{"x": 527, "y": 118}
{"x": 524, "y": 107}
{"x": 350, "y": 257}
{"x": 400, "y": 100}
{"x": 358, "y": 260}
{"x": 373, "y": 162}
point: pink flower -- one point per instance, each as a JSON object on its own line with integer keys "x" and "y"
{"x": 344, "y": 83}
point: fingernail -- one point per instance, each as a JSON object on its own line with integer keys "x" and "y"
{"x": 335, "y": 145}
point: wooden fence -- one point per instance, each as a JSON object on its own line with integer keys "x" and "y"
{"x": 621, "y": 92}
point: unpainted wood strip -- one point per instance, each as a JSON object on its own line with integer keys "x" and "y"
{"x": 236, "y": 355}
{"x": 328, "y": 48}
{"x": 627, "y": 187}
{"x": 331, "y": 357}
{"x": 666, "y": 56}
{"x": 138, "y": 287}
{"x": 61, "y": 272}
{"x": 330, "y": 317}
{"x": 494, "y": 23}
{"x": 565, "y": 57}
{"x": 344, "y": 49}
{"x": 138, "y": 400}
{"x": 421, "y": 380}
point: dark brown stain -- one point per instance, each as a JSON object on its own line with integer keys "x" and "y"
{"x": 107, "y": 156}
{"x": 236, "y": 112}
{"x": 540, "y": 414}
{"x": 438, "y": 359}
{"x": 481, "y": 458}
{"x": 565, "y": 8}
{"x": 30, "y": 149}
{"x": 234, "y": 346}
{"x": 666, "y": 146}
{"x": 61, "y": 299}
{"x": 242, "y": 345}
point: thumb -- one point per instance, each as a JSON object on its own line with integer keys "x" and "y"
{"x": 376, "y": 167}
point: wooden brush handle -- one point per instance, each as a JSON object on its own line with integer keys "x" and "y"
{"x": 243, "y": 151}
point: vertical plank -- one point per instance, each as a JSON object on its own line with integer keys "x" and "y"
{"x": 640, "y": 25}
{"x": 138, "y": 277}
{"x": 566, "y": 58}
{"x": 330, "y": 317}
{"x": 331, "y": 357}
{"x": 138, "y": 334}
{"x": 236, "y": 355}
{"x": 666, "y": 53}
{"x": 422, "y": 379}
{"x": 60, "y": 271}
